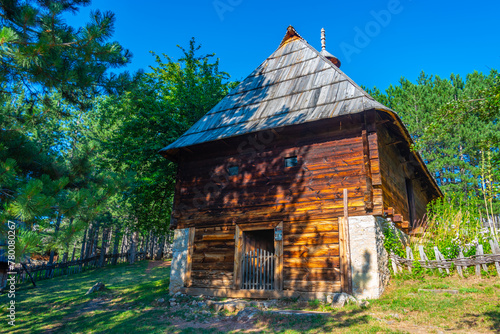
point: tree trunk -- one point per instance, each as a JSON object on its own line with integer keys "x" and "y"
{"x": 115, "y": 248}
{"x": 90, "y": 235}
{"x": 124, "y": 242}
{"x": 66, "y": 252}
{"x": 82, "y": 251}
{"x": 146, "y": 247}
{"x": 152, "y": 246}
{"x": 95, "y": 244}
{"x": 104, "y": 246}
{"x": 133, "y": 245}
{"x": 161, "y": 243}
{"x": 73, "y": 255}
{"x": 52, "y": 251}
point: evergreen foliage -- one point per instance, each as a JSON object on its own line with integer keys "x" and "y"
{"x": 454, "y": 123}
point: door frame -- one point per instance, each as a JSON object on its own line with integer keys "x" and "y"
{"x": 239, "y": 251}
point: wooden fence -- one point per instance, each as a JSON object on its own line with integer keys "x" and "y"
{"x": 46, "y": 271}
{"x": 479, "y": 260}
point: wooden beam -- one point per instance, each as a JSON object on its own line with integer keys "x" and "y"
{"x": 278, "y": 273}
{"x": 344, "y": 249}
{"x": 397, "y": 218}
{"x": 238, "y": 255}
{"x": 257, "y": 294}
{"x": 189, "y": 261}
{"x": 389, "y": 211}
{"x": 368, "y": 198}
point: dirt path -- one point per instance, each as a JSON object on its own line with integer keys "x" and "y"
{"x": 155, "y": 264}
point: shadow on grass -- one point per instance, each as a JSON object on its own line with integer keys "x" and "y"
{"x": 60, "y": 304}
{"x": 494, "y": 316}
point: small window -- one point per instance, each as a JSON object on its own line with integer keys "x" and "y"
{"x": 233, "y": 170}
{"x": 291, "y": 162}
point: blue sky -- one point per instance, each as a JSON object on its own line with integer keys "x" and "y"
{"x": 377, "y": 41}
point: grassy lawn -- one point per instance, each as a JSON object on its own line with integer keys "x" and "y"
{"x": 131, "y": 306}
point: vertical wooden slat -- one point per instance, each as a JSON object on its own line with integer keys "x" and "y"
{"x": 238, "y": 252}
{"x": 189, "y": 261}
{"x": 252, "y": 276}
{"x": 260, "y": 268}
{"x": 268, "y": 266}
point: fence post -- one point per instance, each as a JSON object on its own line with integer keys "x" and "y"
{"x": 495, "y": 250}
{"x": 479, "y": 251}
{"x": 438, "y": 258}
{"x": 409, "y": 256}
{"x": 394, "y": 265}
{"x": 459, "y": 268}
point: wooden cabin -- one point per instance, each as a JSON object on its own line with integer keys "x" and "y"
{"x": 284, "y": 187}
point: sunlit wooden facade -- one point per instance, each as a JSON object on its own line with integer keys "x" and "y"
{"x": 265, "y": 170}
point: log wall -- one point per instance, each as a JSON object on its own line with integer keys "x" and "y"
{"x": 398, "y": 166}
{"x": 349, "y": 152}
{"x": 307, "y": 198}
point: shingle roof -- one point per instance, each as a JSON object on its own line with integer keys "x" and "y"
{"x": 295, "y": 85}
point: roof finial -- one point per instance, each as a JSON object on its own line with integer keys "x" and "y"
{"x": 323, "y": 44}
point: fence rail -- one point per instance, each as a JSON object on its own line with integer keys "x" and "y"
{"x": 45, "y": 271}
{"x": 478, "y": 261}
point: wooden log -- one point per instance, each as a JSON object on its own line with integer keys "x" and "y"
{"x": 397, "y": 218}
{"x": 389, "y": 211}
{"x": 344, "y": 250}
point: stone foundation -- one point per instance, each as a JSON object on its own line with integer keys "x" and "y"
{"x": 179, "y": 260}
{"x": 369, "y": 258}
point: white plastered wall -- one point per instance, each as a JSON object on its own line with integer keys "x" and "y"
{"x": 369, "y": 258}
{"x": 179, "y": 260}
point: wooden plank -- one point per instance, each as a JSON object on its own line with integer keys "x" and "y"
{"x": 254, "y": 294}
{"x": 189, "y": 261}
{"x": 238, "y": 253}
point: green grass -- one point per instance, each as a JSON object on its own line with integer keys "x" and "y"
{"x": 130, "y": 306}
